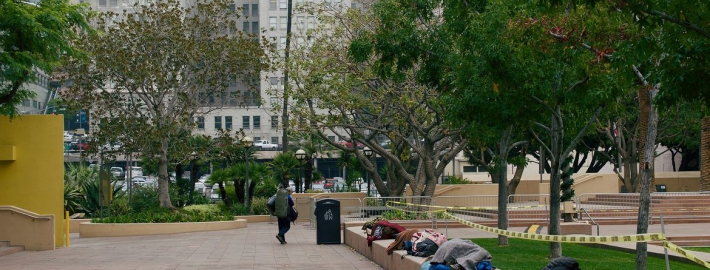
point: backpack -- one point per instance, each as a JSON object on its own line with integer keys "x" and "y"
{"x": 281, "y": 203}
{"x": 293, "y": 214}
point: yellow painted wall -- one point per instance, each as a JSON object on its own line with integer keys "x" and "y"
{"x": 34, "y": 180}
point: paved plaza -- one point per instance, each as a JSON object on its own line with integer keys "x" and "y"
{"x": 254, "y": 247}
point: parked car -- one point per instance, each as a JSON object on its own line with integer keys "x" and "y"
{"x": 118, "y": 172}
{"x": 265, "y": 145}
{"x": 349, "y": 144}
{"x": 334, "y": 183}
{"x": 67, "y": 136}
{"x": 136, "y": 171}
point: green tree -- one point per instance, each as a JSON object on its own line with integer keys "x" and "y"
{"x": 155, "y": 69}
{"x": 284, "y": 167}
{"x": 340, "y": 92}
{"x": 35, "y": 37}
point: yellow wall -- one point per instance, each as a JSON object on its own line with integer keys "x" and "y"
{"x": 34, "y": 180}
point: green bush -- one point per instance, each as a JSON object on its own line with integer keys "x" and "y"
{"x": 258, "y": 206}
{"x": 119, "y": 206}
{"x": 144, "y": 197}
{"x": 266, "y": 188}
{"x": 165, "y": 215}
{"x": 203, "y": 208}
{"x": 456, "y": 180}
{"x": 398, "y": 215}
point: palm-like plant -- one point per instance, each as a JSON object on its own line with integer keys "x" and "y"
{"x": 283, "y": 166}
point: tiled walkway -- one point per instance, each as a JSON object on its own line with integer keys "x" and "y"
{"x": 254, "y": 247}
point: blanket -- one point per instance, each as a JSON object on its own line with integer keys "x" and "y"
{"x": 462, "y": 252}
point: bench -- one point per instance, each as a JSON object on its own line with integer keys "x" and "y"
{"x": 355, "y": 238}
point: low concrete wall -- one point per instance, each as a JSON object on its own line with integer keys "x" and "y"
{"x": 24, "y": 228}
{"x": 88, "y": 229}
{"x": 399, "y": 260}
{"x": 75, "y": 224}
{"x": 255, "y": 218}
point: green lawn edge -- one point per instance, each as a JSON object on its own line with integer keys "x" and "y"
{"x": 523, "y": 254}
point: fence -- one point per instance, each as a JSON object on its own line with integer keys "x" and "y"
{"x": 672, "y": 205}
{"x": 525, "y": 208}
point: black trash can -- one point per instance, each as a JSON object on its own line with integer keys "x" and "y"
{"x": 328, "y": 222}
{"x": 661, "y": 188}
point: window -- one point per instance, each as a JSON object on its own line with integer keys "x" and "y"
{"x": 245, "y": 27}
{"x": 254, "y": 10}
{"x": 26, "y": 103}
{"x": 469, "y": 169}
{"x": 275, "y": 140}
{"x": 245, "y": 10}
{"x": 283, "y": 4}
{"x": 311, "y": 22}
{"x": 245, "y": 122}
{"x": 257, "y": 122}
{"x": 300, "y": 22}
{"x": 218, "y": 122}
{"x": 282, "y": 43}
{"x": 282, "y": 82}
{"x": 255, "y": 27}
{"x": 283, "y": 22}
{"x": 274, "y": 122}
{"x": 274, "y": 101}
{"x": 232, "y": 7}
{"x": 200, "y": 122}
{"x": 257, "y": 138}
{"x": 272, "y": 5}
{"x": 114, "y": 3}
{"x": 228, "y": 122}
{"x": 331, "y": 138}
{"x": 34, "y": 104}
{"x": 272, "y": 23}
{"x": 102, "y": 3}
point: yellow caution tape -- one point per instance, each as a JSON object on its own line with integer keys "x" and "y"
{"x": 685, "y": 253}
{"x": 564, "y": 238}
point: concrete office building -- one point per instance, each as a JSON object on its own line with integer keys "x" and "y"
{"x": 255, "y": 114}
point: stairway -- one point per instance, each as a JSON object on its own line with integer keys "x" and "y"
{"x": 7, "y": 249}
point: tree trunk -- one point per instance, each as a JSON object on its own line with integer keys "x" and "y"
{"x": 163, "y": 191}
{"x": 646, "y": 180}
{"x": 513, "y": 185}
{"x": 705, "y": 154}
{"x": 193, "y": 178}
{"x": 239, "y": 189}
{"x": 556, "y": 149}
{"x": 644, "y": 110}
{"x": 308, "y": 171}
{"x": 503, "y": 186}
{"x": 179, "y": 171}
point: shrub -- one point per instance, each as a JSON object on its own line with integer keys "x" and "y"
{"x": 144, "y": 197}
{"x": 457, "y": 180}
{"x": 165, "y": 215}
{"x": 398, "y": 215}
{"x": 258, "y": 206}
{"x": 203, "y": 208}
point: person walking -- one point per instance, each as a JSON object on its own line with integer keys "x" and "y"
{"x": 283, "y": 210}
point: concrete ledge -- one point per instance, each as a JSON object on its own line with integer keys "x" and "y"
{"x": 355, "y": 238}
{"x": 567, "y": 228}
{"x": 255, "y": 218}
{"x": 75, "y": 224}
{"x": 88, "y": 229}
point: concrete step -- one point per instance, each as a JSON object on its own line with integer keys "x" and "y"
{"x": 6, "y": 249}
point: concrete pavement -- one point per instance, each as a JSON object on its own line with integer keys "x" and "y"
{"x": 254, "y": 247}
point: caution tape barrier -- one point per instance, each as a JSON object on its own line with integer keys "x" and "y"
{"x": 565, "y": 238}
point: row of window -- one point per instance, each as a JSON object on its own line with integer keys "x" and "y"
{"x": 302, "y": 22}
{"x": 34, "y": 104}
{"x": 283, "y": 4}
{"x": 247, "y": 122}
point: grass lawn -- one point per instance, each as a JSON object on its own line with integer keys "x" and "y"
{"x": 701, "y": 249}
{"x": 524, "y": 254}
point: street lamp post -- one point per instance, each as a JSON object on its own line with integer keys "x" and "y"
{"x": 193, "y": 159}
{"x": 300, "y": 155}
{"x": 247, "y": 142}
{"x": 368, "y": 153}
